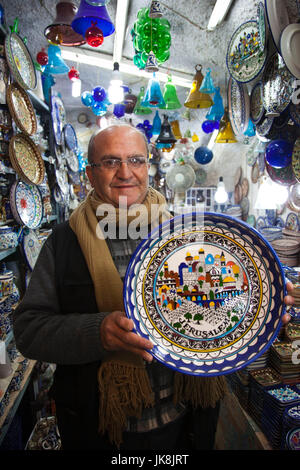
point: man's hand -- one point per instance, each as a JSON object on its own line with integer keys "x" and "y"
{"x": 116, "y": 334}
{"x": 288, "y": 300}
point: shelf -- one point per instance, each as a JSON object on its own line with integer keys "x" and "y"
{"x": 36, "y": 101}
{"x": 14, "y": 402}
{"x": 5, "y": 253}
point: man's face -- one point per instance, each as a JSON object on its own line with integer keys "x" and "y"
{"x": 132, "y": 183}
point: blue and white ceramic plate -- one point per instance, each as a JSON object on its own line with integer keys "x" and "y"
{"x": 70, "y": 137}
{"x": 256, "y": 103}
{"x": 26, "y": 204}
{"x": 262, "y": 27}
{"x": 239, "y": 106}
{"x": 58, "y": 116}
{"x": 207, "y": 289}
{"x": 31, "y": 248}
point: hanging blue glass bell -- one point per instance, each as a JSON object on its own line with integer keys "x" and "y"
{"x": 119, "y": 110}
{"x": 250, "y": 131}
{"x": 89, "y": 14}
{"x": 207, "y": 85}
{"x": 55, "y": 64}
{"x": 153, "y": 96}
{"x": 47, "y": 82}
{"x": 216, "y": 112}
{"x": 156, "y": 124}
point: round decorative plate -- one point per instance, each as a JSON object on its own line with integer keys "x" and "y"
{"x": 293, "y": 439}
{"x": 72, "y": 160}
{"x": 58, "y": 115}
{"x": 262, "y": 27}
{"x": 20, "y": 62}
{"x": 294, "y": 112}
{"x": 255, "y": 173}
{"x": 70, "y": 137}
{"x": 31, "y": 248}
{"x": 294, "y": 198}
{"x": 26, "y": 159}
{"x": 244, "y": 59}
{"x": 284, "y": 176}
{"x": 238, "y": 106}
{"x": 277, "y": 18}
{"x": 277, "y": 86}
{"x": 256, "y": 103}
{"x": 21, "y": 108}
{"x": 26, "y": 204}
{"x": 264, "y": 126}
{"x": 292, "y": 222}
{"x": 296, "y": 159}
{"x": 245, "y": 186}
{"x": 289, "y": 46}
{"x": 201, "y": 288}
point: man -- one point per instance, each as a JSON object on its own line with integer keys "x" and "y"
{"x": 108, "y": 390}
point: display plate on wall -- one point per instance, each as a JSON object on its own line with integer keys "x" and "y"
{"x": 72, "y": 160}
{"x": 283, "y": 176}
{"x": 238, "y": 106}
{"x": 255, "y": 173}
{"x": 294, "y": 112}
{"x": 31, "y": 248}
{"x": 20, "y": 62}
{"x": 294, "y": 198}
{"x": 58, "y": 115}
{"x": 26, "y": 204}
{"x": 289, "y": 47}
{"x": 26, "y": 159}
{"x": 21, "y": 109}
{"x": 277, "y": 18}
{"x": 262, "y": 27}
{"x": 202, "y": 290}
{"x": 70, "y": 137}
{"x": 244, "y": 58}
{"x": 264, "y": 126}
{"x": 296, "y": 159}
{"x": 277, "y": 86}
{"x": 4, "y": 79}
{"x": 256, "y": 103}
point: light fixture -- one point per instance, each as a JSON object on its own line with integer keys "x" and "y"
{"x": 218, "y": 14}
{"x": 120, "y": 27}
{"x": 85, "y": 56}
{"x": 76, "y": 88}
{"x": 115, "y": 89}
{"x": 265, "y": 196}
{"x": 221, "y": 195}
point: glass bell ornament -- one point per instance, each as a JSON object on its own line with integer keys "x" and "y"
{"x": 55, "y": 65}
{"x": 47, "y": 82}
{"x": 170, "y": 96}
{"x": 139, "y": 108}
{"x": 88, "y": 13}
{"x": 216, "y": 112}
{"x": 250, "y": 131}
{"x": 279, "y": 153}
{"x": 176, "y": 129}
{"x": 195, "y": 138}
{"x": 207, "y": 85}
{"x": 153, "y": 96}
{"x": 155, "y": 10}
{"x": 99, "y": 93}
{"x": 60, "y": 32}
{"x": 151, "y": 65}
{"x": 208, "y": 126}
{"x": 156, "y": 126}
{"x": 119, "y": 110}
{"x": 94, "y": 36}
{"x": 73, "y": 74}
{"x": 225, "y": 134}
{"x": 42, "y": 57}
{"x": 195, "y": 98}
{"x": 203, "y": 155}
{"x": 166, "y": 135}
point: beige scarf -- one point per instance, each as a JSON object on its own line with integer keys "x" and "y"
{"x": 124, "y": 388}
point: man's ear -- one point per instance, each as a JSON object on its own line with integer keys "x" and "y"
{"x": 89, "y": 173}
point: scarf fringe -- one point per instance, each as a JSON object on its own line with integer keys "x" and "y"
{"x": 124, "y": 391}
{"x": 199, "y": 391}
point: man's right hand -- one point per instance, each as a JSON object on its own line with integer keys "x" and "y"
{"x": 116, "y": 334}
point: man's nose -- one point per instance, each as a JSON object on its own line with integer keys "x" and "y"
{"x": 124, "y": 171}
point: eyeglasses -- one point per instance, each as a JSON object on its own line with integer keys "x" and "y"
{"x": 115, "y": 163}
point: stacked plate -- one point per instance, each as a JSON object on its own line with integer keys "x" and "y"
{"x": 276, "y": 399}
{"x": 271, "y": 233}
{"x": 287, "y": 249}
{"x": 290, "y": 422}
{"x": 240, "y": 387}
{"x": 282, "y": 361}
{"x": 259, "y": 380}
{"x": 234, "y": 211}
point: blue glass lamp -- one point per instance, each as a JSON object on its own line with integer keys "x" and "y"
{"x": 55, "y": 64}
{"x": 207, "y": 85}
{"x": 153, "y": 96}
{"x": 88, "y": 14}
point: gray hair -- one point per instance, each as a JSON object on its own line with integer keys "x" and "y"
{"x": 90, "y": 153}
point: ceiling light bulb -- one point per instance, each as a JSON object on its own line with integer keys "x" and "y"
{"x": 221, "y": 195}
{"x": 115, "y": 90}
{"x": 76, "y": 88}
{"x": 218, "y": 14}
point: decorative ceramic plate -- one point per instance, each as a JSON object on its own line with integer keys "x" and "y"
{"x": 72, "y": 160}
{"x": 284, "y": 176}
{"x": 255, "y": 173}
{"x": 296, "y": 159}
{"x": 70, "y": 137}
{"x": 26, "y": 204}
{"x": 201, "y": 288}
{"x": 20, "y": 62}
{"x": 31, "y": 248}
{"x": 264, "y": 126}
{"x": 294, "y": 112}
{"x": 294, "y": 197}
{"x": 256, "y": 103}
{"x": 262, "y": 27}
{"x": 245, "y": 60}
{"x": 292, "y": 222}
{"x": 289, "y": 46}
{"x": 293, "y": 439}
{"x": 21, "y": 108}
{"x": 26, "y": 159}
{"x": 239, "y": 106}
{"x": 58, "y": 115}
{"x": 4, "y": 78}
{"x": 277, "y": 86}
{"x": 277, "y": 17}
{"x": 238, "y": 175}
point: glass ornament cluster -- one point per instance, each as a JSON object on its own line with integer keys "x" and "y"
{"x": 150, "y": 34}
{"x": 96, "y": 100}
